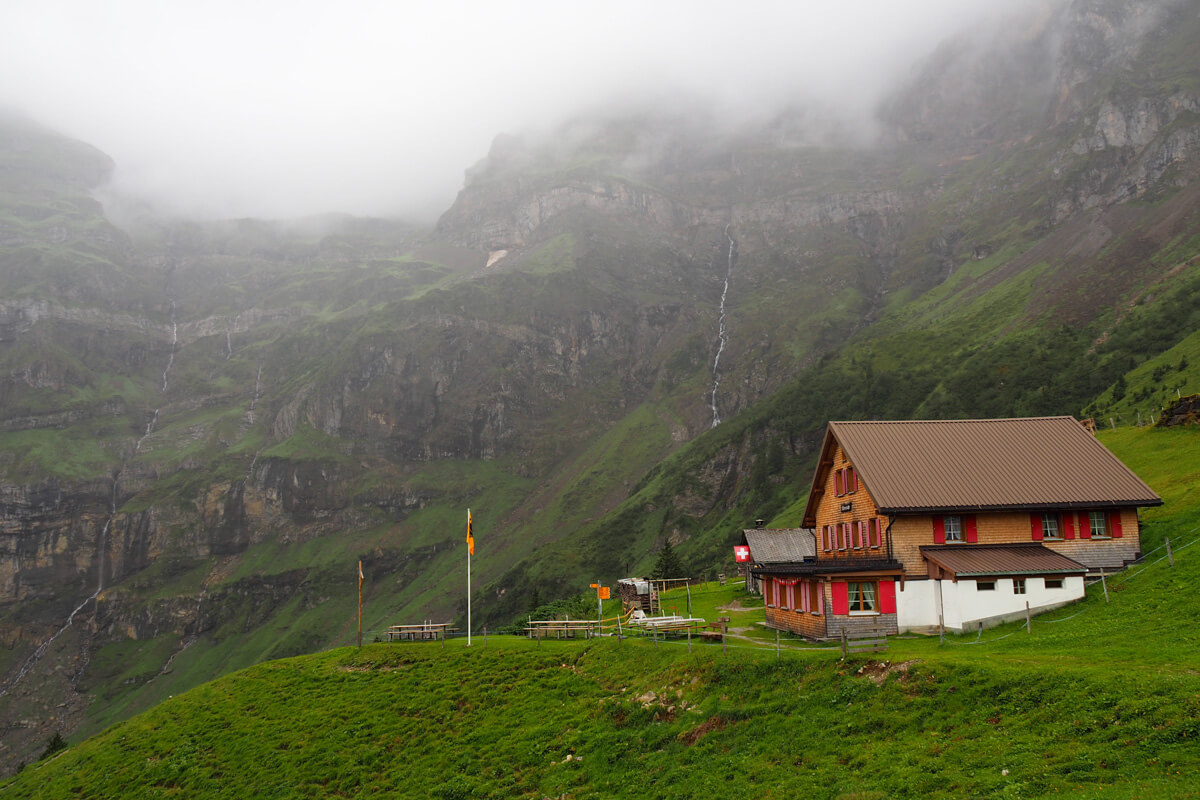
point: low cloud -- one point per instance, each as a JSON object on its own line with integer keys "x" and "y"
{"x": 283, "y": 109}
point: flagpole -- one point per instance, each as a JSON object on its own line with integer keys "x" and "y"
{"x": 360, "y": 581}
{"x": 470, "y": 547}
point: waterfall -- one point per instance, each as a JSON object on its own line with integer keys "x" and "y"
{"x": 722, "y": 331}
{"x": 44, "y": 646}
{"x": 174, "y": 342}
{"x": 112, "y": 514}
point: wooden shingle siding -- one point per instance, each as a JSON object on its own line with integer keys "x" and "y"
{"x": 862, "y": 511}
{"x": 884, "y": 624}
{"x": 800, "y": 623}
{"x": 909, "y": 533}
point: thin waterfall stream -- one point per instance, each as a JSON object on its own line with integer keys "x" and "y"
{"x": 102, "y": 545}
{"x": 722, "y": 329}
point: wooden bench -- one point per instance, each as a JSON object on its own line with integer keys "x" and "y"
{"x": 863, "y": 642}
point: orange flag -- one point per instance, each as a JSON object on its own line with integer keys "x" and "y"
{"x": 470, "y": 537}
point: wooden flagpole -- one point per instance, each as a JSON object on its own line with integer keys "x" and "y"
{"x": 360, "y": 582}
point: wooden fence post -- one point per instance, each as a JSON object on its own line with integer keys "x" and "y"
{"x": 844, "y": 650}
{"x": 724, "y": 628}
{"x": 1104, "y": 584}
{"x": 777, "y": 644}
{"x": 1028, "y": 622}
{"x": 1170, "y": 555}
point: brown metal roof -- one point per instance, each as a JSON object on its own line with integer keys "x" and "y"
{"x": 1018, "y": 558}
{"x": 780, "y": 545}
{"x": 928, "y": 465}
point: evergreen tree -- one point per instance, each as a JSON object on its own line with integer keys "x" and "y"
{"x": 53, "y": 745}
{"x": 668, "y": 564}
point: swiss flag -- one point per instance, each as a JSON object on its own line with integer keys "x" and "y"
{"x": 741, "y": 553}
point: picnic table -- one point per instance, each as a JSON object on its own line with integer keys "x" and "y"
{"x": 560, "y": 628}
{"x": 423, "y": 631}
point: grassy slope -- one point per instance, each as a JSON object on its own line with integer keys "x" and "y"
{"x": 1101, "y": 700}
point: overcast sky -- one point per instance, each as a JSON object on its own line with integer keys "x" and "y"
{"x": 285, "y": 108}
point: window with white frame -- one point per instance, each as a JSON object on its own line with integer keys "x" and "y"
{"x": 1099, "y": 524}
{"x": 1018, "y": 586}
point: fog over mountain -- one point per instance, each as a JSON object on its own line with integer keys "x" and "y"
{"x": 283, "y": 109}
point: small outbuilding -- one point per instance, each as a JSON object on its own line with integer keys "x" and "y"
{"x": 763, "y": 547}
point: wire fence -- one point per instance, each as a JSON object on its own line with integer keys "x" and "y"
{"x": 626, "y": 631}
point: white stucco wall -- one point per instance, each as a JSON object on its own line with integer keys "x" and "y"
{"x": 964, "y": 605}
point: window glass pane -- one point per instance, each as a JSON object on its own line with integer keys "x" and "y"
{"x": 1096, "y": 518}
{"x": 868, "y": 596}
{"x": 854, "y": 596}
{"x": 953, "y": 529}
{"x": 1018, "y": 586}
{"x": 1050, "y": 526}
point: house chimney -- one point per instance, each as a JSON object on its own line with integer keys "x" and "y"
{"x": 758, "y": 523}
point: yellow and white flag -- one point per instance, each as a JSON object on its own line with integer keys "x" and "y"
{"x": 470, "y": 537}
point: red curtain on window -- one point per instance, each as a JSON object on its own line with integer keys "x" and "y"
{"x": 841, "y": 598}
{"x": 887, "y": 597}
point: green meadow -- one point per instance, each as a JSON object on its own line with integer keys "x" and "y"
{"x": 1096, "y": 700}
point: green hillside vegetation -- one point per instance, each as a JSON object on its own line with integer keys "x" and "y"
{"x": 1101, "y": 700}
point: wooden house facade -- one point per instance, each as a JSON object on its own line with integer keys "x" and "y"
{"x": 954, "y": 523}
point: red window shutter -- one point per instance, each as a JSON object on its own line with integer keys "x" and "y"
{"x": 839, "y": 483}
{"x": 939, "y": 530}
{"x": 1085, "y": 526}
{"x": 887, "y": 597}
{"x": 1068, "y": 525}
{"x": 1035, "y": 522}
{"x": 1114, "y": 524}
{"x": 972, "y": 529}
{"x": 841, "y": 598}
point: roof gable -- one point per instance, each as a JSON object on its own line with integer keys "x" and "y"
{"x": 928, "y": 465}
